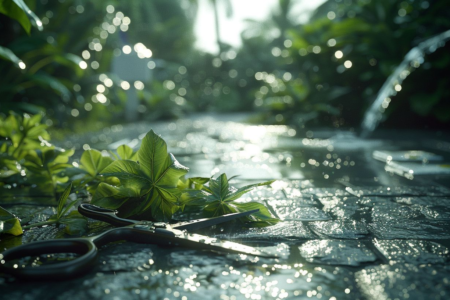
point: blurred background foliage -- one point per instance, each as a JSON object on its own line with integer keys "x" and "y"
{"x": 325, "y": 72}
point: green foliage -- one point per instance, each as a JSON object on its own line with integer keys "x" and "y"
{"x": 46, "y": 167}
{"x": 154, "y": 188}
{"x": 7, "y": 54}
{"x": 195, "y": 183}
{"x": 312, "y": 85}
{"x": 148, "y": 183}
{"x": 28, "y": 159}
{"x": 75, "y": 223}
{"x": 93, "y": 162}
{"x": 18, "y": 10}
{"x": 9, "y": 223}
{"x": 19, "y": 134}
{"x": 126, "y": 152}
{"x": 154, "y": 179}
{"x": 219, "y": 198}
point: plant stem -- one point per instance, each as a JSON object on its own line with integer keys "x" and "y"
{"x": 39, "y": 224}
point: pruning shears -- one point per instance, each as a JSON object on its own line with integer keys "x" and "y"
{"x": 130, "y": 230}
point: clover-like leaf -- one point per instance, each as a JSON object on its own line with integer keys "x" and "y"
{"x": 154, "y": 178}
{"x": 9, "y": 223}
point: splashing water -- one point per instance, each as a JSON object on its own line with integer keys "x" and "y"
{"x": 412, "y": 60}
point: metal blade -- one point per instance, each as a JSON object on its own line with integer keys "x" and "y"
{"x": 202, "y": 223}
{"x": 201, "y": 242}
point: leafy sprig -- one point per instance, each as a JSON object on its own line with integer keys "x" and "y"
{"x": 219, "y": 198}
{"x": 75, "y": 223}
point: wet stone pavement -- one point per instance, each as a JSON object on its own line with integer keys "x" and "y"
{"x": 349, "y": 229}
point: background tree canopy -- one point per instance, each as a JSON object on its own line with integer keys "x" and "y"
{"x": 326, "y": 72}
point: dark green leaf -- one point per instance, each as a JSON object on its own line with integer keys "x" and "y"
{"x": 63, "y": 200}
{"x": 36, "y": 21}
{"x": 16, "y": 12}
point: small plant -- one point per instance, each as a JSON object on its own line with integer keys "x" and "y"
{"x": 75, "y": 223}
{"x": 219, "y": 198}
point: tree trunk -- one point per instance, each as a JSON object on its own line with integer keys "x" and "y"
{"x": 216, "y": 19}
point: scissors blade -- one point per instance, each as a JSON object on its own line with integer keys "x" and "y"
{"x": 208, "y": 222}
{"x": 200, "y": 242}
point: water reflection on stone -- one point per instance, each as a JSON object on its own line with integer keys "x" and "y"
{"x": 333, "y": 252}
{"x": 349, "y": 230}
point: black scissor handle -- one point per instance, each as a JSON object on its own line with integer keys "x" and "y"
{"x": 62, "y": 270}
{"x": 103, "y": 214}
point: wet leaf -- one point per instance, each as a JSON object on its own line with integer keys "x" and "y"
{"x": 154, "y": 178}
{"x": 9, "y": 223}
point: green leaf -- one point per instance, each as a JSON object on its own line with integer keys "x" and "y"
{"x": 94, "y": 162}
{"x": 36, "y": 21}
{"x": 7, "y": 54}
{"x": 16, "y": 12}
{"x": 112, "y": 197}
{"x": 261, "y": 218}
{"x": 9, "y": 223}
{"x": 130, "y": 175}
{"x": 220, "y": 187}
{"x": 62, "y": 201}
{"x": 126, "y": 152}
{"x": 245, "y": 189}
{"x": 193, "y": 183}
{"x": 153, "y": 156}
{"x": 155, "y": 178}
